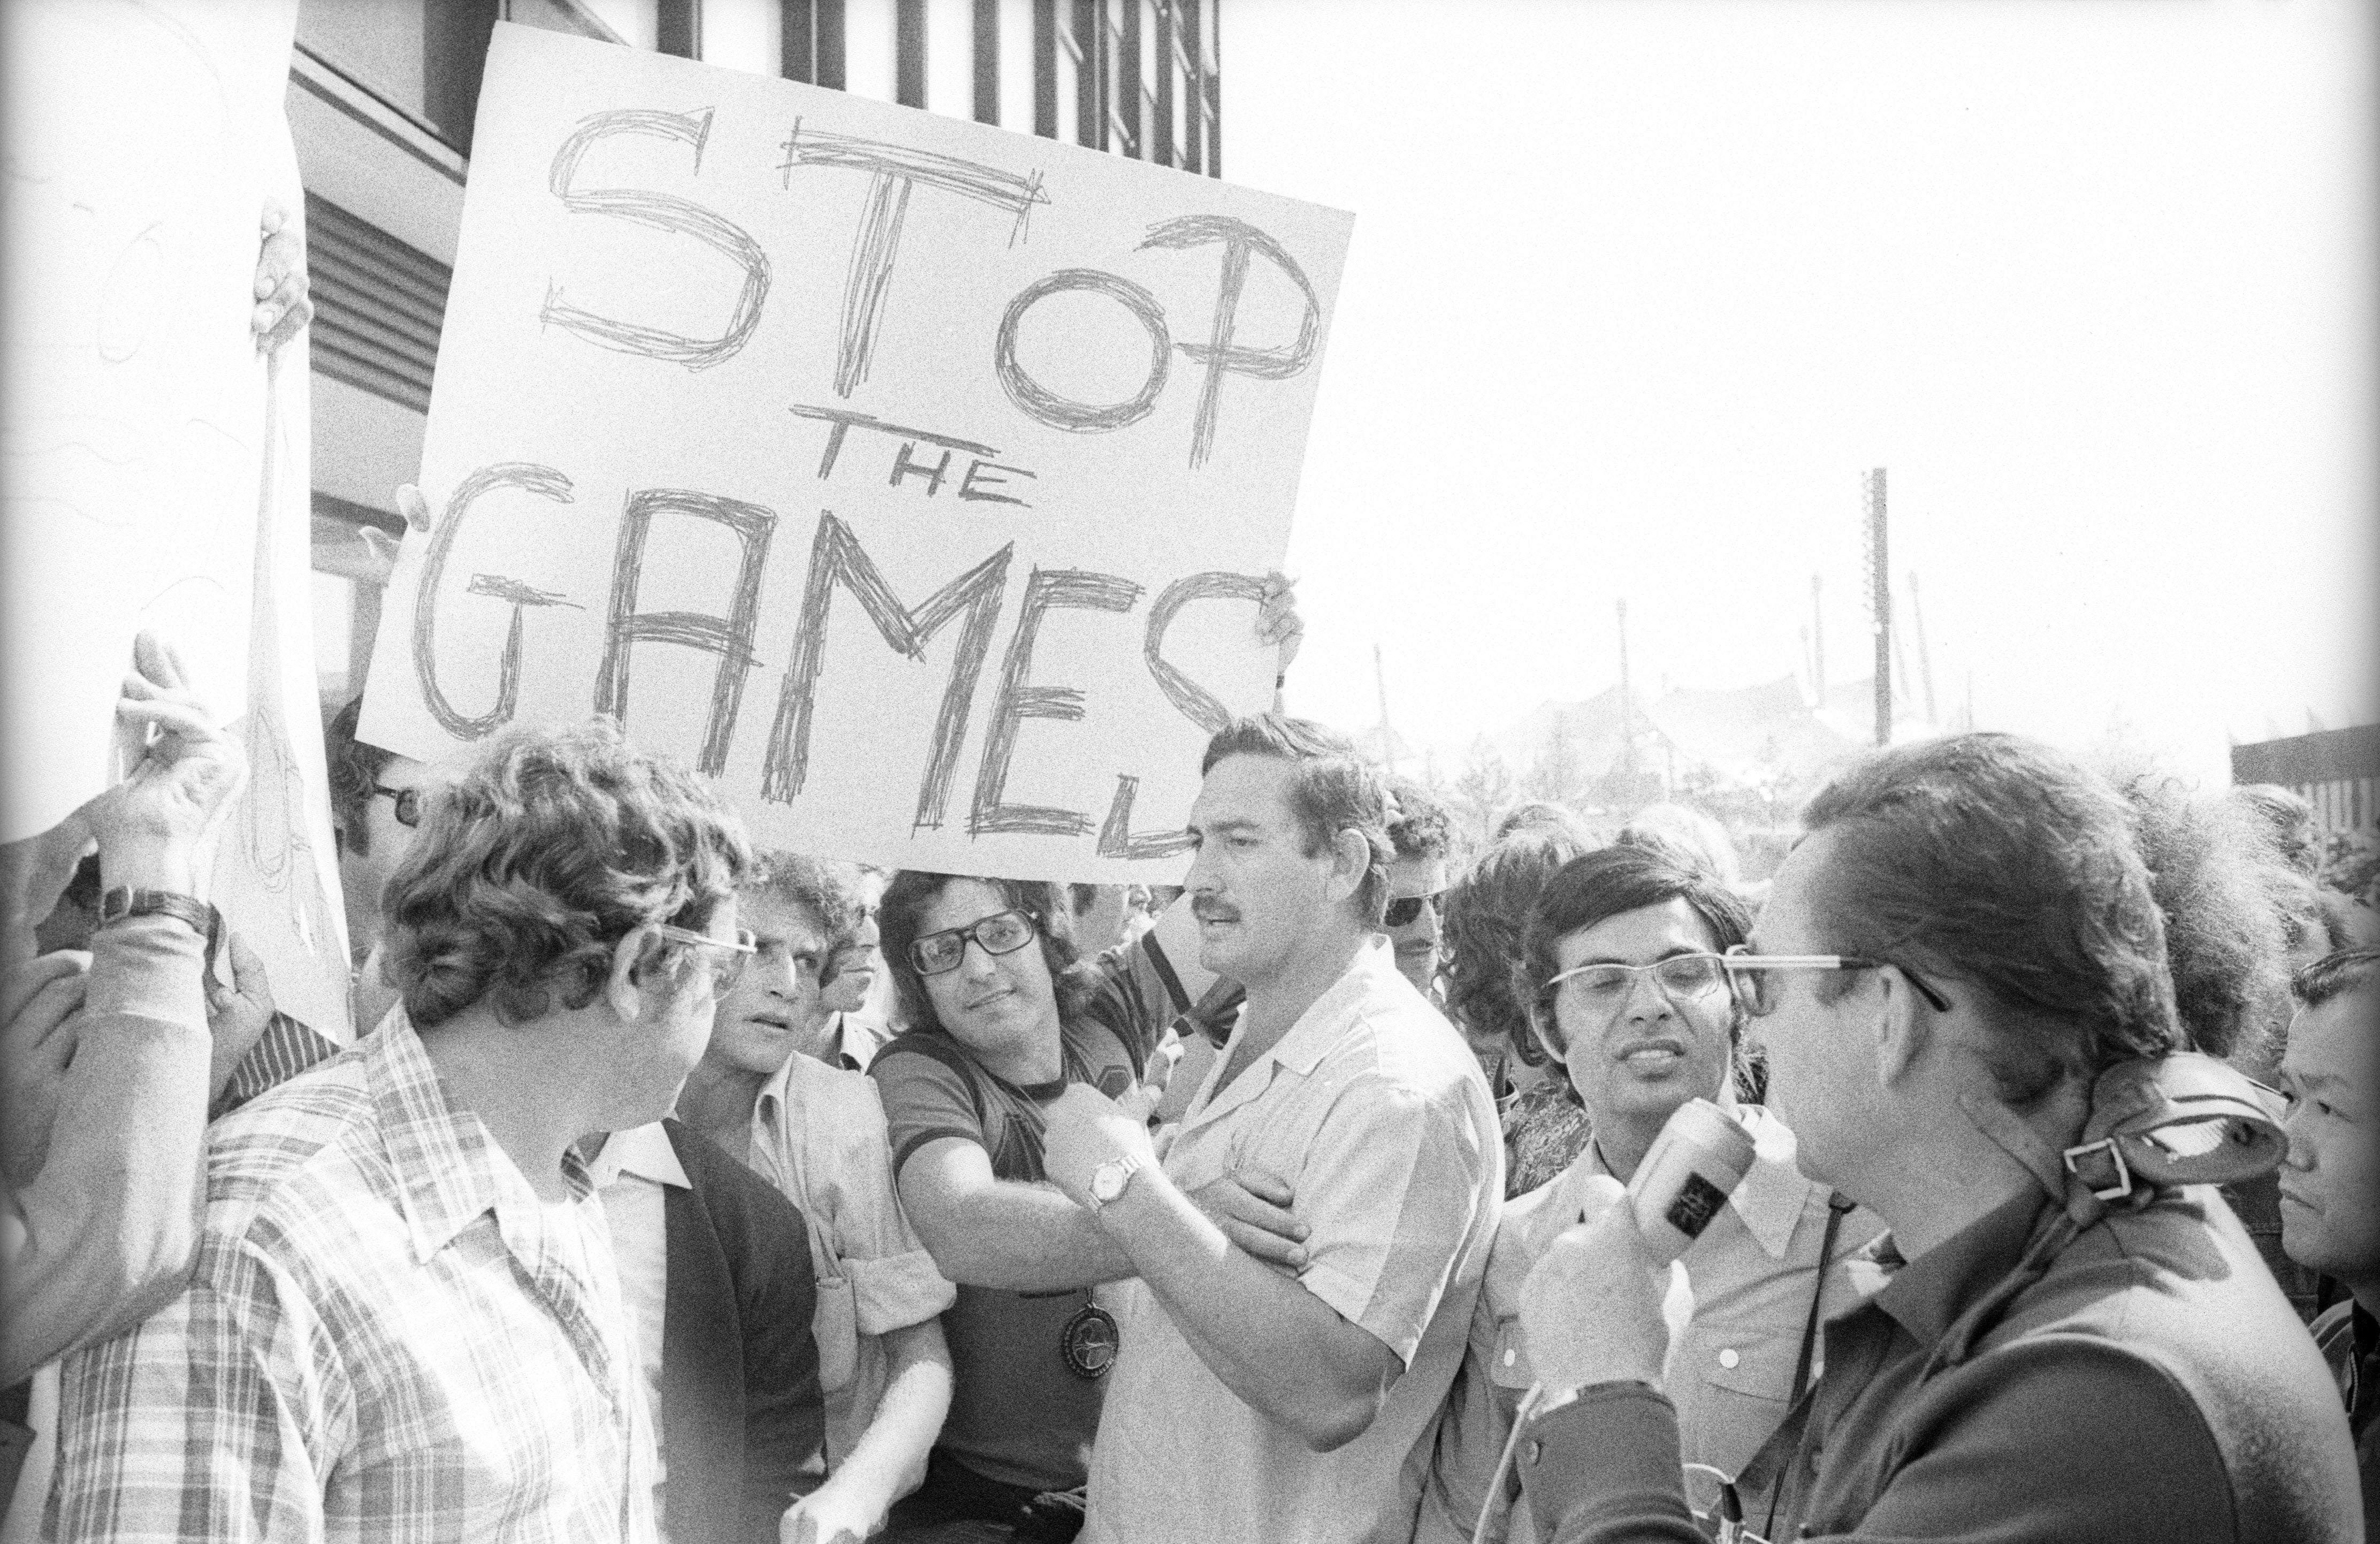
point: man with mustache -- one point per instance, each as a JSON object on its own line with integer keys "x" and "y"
{"x": 1304, "y": 1391}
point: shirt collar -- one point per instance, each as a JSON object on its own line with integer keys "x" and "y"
{"x": 644, "y": 1151}
{"x": 1928, "y": 1294}
{"x": 449, "y": 1171}
{"x": 855, "y": 1042}
{"x": 1319, "y": 1028}
{"x": 1775, "y": 1192}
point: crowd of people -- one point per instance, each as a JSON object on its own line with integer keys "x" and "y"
{"x": 676, "y": 1188}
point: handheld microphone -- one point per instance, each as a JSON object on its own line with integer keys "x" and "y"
{"x": 1693, "y": 1165}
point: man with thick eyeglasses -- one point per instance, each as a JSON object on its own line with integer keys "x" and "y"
{"x": 1003, "y": 1019}
{"x": 1304, "y": 1396}
{"x": 404, "y": 1323}
{"x": 1631, "y": 1003}
{"x": 2066, "y": 1342}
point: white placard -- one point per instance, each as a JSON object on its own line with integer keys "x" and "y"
{"x": 141, "y": 139}
{"x": 910, "y": 478}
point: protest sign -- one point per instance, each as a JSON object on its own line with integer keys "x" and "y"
{"x": 912, "y": 480}
{"x": 156, "y": 465}
{"x": 140, "y": 147}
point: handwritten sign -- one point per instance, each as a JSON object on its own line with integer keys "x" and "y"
{"x": 141, "y": 137}
{"x": 913, "y": 480}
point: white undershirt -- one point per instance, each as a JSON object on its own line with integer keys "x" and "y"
{"x": 629, "y": 1173}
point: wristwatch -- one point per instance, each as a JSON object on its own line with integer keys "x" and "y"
{"x": 1108, "y": 1181}
{"x": 122, "y": 902}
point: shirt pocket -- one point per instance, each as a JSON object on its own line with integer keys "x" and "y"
{"x": 1741, "y": 1381}
{"x": 836, "y": 1325}
{"x": 1508, "y": 1363}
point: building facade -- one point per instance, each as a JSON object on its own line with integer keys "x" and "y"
{"x": 381, "y": 95}
{"x": 2337, "y": 770}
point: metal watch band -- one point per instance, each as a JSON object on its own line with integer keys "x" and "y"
{"x": 123, "y": 902}
{"x": 1123, "y": 1169}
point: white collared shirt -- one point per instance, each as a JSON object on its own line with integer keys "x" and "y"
{"x": 1736, "y": 1306}
{"x": 630, "y": 1172}
{"x": 1375, "y": 1113}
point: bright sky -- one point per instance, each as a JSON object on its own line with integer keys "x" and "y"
{"x": 1639, "y": 291}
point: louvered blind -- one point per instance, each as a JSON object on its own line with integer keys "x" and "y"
{"x": 378, "y": 305}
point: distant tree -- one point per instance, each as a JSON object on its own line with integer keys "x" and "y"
{"x": 1557, "y": 776}
{"x": 1483, "y": 789}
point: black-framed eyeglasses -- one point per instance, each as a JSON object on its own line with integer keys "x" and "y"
{"x": 408, "y": 803}
{"x": 1600, "y": 990}
{"x": 1756, "y": 988}
{"x": 1405, "y": 909}
{"x": 1003, "y": 933}
{"x": 727, "y": 969}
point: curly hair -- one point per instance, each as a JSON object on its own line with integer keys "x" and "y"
{"x": 898, "y": 915}
{"x": 532, "y": 866}
{"x": 1997, "y": 862}
{"x": 2213, "y": 867}
{"x": 829, "y": 892}
{"x": 1481, "y": 930}
{"x": 1423, "y": 828}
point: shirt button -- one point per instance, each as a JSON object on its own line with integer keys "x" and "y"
{"x": 1536, "y": 1451}
{"x": 1509, "y": 1355}
{"x": 1728, "y": 1357}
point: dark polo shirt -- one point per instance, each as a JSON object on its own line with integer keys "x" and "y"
{"x": 2153, "y": 1386}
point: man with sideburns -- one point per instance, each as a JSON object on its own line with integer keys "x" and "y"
{"x": 1301, "y": 1393}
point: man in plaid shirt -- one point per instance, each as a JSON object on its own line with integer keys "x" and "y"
{"x": 405, "y": 1323}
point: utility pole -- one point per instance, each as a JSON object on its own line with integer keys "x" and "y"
{"x": 1924, "y": 653}
{"x": 1879, "y": 602}
{"x": 1388, "y": 736}
{"x": 1627, "y": 707}
{"x": 1817, "y": 638}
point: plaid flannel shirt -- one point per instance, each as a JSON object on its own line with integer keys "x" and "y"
{"x": 389, "y": 1336}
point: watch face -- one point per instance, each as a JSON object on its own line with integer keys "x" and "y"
{"x": 1109, "y": 1179}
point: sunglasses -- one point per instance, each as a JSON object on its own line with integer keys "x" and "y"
{"x": 1405, "y": 908}
{"x": 1602, "y": 990}
{"x": 408, "y": 803}
{"x": 726, "y": 968}
{"x": 1756, "y": 987}
{"x": 1003, "y": 933}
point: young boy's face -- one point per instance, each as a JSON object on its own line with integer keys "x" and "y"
{"x": 2330, "y": 1186}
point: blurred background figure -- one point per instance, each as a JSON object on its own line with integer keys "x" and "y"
{"x": 1544, "y": 1126}
{"x": 2214, "y": 873}
{"x": 1423, "y": 834}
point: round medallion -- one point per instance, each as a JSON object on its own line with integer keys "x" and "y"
{"x": 1088, "y": 1342}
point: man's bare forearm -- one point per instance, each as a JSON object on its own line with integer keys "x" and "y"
{"x": 994, "y": 1233}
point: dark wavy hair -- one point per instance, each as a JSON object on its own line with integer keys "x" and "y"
{"x": 1335, "y": 790}
{"x": 530, "y": 869}
{"x": 2213, "y": 867}
{"x": 913, "y": 890}
{"x": 1996, "y": 861}
{"x": 1610, "y": 882}
{"x": 2334, "y": 975}
{"x": 1423, "y": 828}
{"x": 1481, "y": 929}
